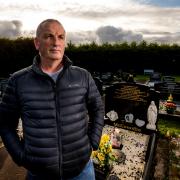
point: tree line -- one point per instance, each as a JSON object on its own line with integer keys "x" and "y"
{"x": 165, "y": 58}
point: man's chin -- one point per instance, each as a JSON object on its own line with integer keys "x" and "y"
{"x": 55, "y": 58}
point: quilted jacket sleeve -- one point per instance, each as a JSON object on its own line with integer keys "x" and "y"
{"x": 9, "y": 116}
{"x": 96, "y": 114}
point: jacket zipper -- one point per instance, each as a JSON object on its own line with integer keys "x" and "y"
{"x": 58, "y": 121}
{"x": 58, "y": 129}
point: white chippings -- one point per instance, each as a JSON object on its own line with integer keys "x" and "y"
{"x": 134, "y": 147}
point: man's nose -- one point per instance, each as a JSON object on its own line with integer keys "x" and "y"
{"x": 56, "y": 41}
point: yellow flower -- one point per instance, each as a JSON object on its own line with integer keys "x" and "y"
{"x": 101, "y": 156}
{"x": 94, "y": 153}
{"x": 105, "y": 138}
{"x": 104, "y": 153}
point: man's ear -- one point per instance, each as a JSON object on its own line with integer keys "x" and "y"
{"x": 36, "y": 43}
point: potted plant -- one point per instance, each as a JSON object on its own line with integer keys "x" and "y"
{"x": 170, "y": 105}
{"x": 103, "y": 157}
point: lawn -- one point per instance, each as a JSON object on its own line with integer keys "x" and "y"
{"x": 145, "y": 78}
{"x": 169, "y": 127}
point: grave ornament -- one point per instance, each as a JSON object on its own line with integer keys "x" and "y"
{"x": 152, "y": 116}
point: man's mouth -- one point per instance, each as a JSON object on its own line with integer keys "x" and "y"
{"x": 55, "y": 51}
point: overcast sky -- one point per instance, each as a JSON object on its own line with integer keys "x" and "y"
{"x": 96, "y": 20}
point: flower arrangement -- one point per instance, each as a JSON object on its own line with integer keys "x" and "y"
{"x": 103, "y": 157}
{"x": 170, "y": 105}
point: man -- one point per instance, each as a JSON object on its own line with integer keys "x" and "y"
{"x": 56, "y": 101}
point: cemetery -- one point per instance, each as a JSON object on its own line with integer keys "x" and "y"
{"x": 140, "y": 148}
{"x": 133, "y": 112}
{"x": 137, "y": 135}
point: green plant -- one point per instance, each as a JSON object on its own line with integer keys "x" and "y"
{"x": 103, "y": 157}
{"x": 169, "y": 127}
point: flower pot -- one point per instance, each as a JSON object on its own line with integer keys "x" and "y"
{"x": 170, "y": 111}
{"x": 100, "y": 173}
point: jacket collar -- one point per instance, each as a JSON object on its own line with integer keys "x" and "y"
{"x": 36, "y": 61}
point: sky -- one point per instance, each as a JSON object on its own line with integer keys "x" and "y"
{"x": 100, "y": 21}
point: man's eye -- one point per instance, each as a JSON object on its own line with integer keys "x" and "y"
{"x": 61, "y": 37}
{"x": 49, "y": 36}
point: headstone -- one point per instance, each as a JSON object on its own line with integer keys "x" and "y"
{"x": 166, "y": 88}
{"x": 168, "y": 79}
{"x": 156, "y": 76}
{"x": 132, "y": 106}
{"x": 131, "y": 122}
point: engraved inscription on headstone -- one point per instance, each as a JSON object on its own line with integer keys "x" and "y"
{"x": 130, "y": 92}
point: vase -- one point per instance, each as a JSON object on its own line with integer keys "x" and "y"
{"x": 170, "y": 111}
{"x": 100, "y": 173}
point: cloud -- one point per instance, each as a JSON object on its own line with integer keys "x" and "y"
{"x": 99, "y": 21}
{"x": 98, "y": 10}
{"x": 160, "y": 36}
{"x": 112, "y": 34}
{"x": 170, "y": 38}
{"x": 10, "y": 29}
{"x": 18, "y": 6}
{"x": 104, "y": 34}
{"x": 129, "y": 15}
{"x": 149, "y": 32}
{"x": 81, "y": 37}
{"x": 138, "y": 19}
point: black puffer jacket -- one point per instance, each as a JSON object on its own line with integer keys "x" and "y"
{"x": 57, "y": 138}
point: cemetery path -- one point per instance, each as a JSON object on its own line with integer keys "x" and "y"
{"x": 8, "y": 169}
{"x": 161, "y": 159}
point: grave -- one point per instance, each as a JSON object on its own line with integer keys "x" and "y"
{"x": 168, "y": 79}
{"x": 131, "y": 123}
{"x": 166, "y": 88}
{"x": 154, "y": 78}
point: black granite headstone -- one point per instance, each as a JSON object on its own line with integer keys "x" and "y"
{"x": 127, "y": 104}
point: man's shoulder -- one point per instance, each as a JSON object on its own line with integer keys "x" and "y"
{"x": 21, "y": 72}
{"x": 77, "y": 68}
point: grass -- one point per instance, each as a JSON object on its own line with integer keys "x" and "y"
{"x": 169, "y": 127}
{"x": 177, "y": 78}
{"x": 144, "y": 78}
{"x": 141, "y": 78}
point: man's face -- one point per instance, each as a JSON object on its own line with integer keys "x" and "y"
{"x": 51, "y": 41}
